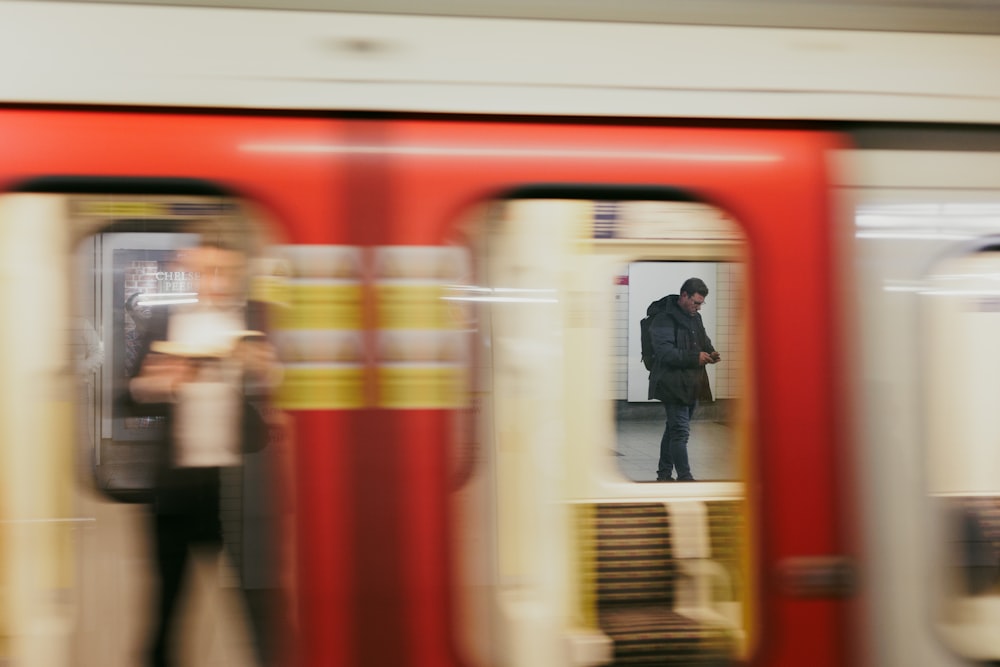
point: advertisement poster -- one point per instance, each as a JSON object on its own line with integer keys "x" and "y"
{"x": 140, "y": 276}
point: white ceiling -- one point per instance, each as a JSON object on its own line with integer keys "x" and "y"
{"x": 948, "y": 16}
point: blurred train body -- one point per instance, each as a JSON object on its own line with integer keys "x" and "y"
{"x": 458, "y": 222}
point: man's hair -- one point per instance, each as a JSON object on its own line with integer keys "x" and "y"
{"x": 694, "y": 286}
{"x": 222, "y": 233}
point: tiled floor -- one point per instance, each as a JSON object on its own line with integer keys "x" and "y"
{"x": 711, "y": 449}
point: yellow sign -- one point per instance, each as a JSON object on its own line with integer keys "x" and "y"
{"x": 413, "y": 387}
{"x": 322, "y": 388}
{"x": 414, "y": 306}
{"x": 321, "y": 306}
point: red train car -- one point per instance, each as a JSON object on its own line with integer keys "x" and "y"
{"x": 374, "y": 521}
{"x": 456, "y": 242}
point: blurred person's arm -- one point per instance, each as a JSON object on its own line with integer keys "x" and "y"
{"x": 159, "y": 377}
{"x": 260, "y": 364}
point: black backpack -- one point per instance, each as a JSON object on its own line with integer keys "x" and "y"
{"x": 646, "y": 337}
{"x": 645, "y": 330}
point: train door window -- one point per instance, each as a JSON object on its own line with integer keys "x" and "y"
{"x": 642, "y": 390}
{"x": 961, "y": 320}
{"x": 562, "y": 285}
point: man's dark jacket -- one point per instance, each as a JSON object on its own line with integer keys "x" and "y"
{"x": 678, "y": 340}
{"x": 171, "y": 492}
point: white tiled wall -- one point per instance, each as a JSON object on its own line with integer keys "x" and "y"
{"x": 731, "y": 280}
{"x": 619, "y": 339}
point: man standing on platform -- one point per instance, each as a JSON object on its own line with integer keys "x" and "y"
{"x": 681, "y": 351}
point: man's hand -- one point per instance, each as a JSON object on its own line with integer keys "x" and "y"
{"x": 260, "y": 361}
{"x": 171, "y": 367}
{"x": 160, "y": 376}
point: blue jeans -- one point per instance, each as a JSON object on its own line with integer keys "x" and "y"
{"x": 674, "y": 444}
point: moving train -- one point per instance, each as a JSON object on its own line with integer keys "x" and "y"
{"x": 458, "y": 223}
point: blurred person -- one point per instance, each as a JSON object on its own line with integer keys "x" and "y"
{"x": 87, "y": 354}
{"x": 678, "y": 378}
{"x": 207, "y": 369}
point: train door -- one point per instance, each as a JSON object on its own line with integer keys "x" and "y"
{"x": 94, "y": 274}
{"x": 958, "y": 309}
{"x": 924, "y": 306}
{"x": 595, "y": 562}
{"x": 149, "y": 154}
{"x": 550, "y": 357}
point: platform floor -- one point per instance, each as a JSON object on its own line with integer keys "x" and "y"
{"x": 712, "y": 450}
